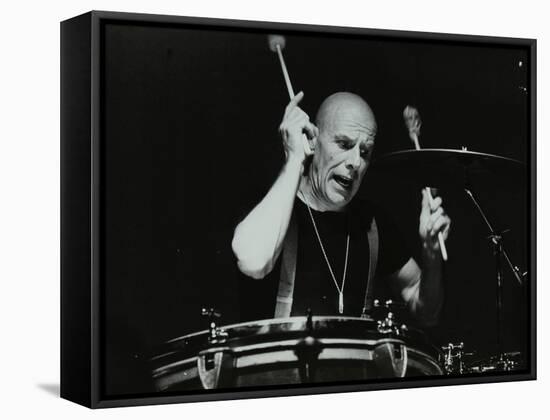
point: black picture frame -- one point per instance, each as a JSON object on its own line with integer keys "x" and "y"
{"x": 83, "y": 210}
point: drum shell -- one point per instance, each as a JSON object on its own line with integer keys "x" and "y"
{"x": 289, "y": 351}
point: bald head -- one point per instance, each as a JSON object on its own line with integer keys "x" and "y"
{"x": 345, "y": 106}
{"x": 342, "y": 150}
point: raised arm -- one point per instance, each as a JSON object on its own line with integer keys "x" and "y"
{"x": 258, "y": 239}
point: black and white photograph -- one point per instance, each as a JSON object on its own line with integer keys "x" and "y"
{"x": 274, "y": 210}
{"x": 286, "y": 206}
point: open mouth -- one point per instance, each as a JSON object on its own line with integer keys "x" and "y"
{"x": 344, "y": 181}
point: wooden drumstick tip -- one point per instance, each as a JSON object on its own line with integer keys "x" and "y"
{"x": 276, "y": 40}
{"x": 277, "y": 44}
{"x": 413, "y": 123}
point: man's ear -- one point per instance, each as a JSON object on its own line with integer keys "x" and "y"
{"x": 313, "y": 141}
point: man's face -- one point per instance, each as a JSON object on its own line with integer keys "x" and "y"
{"x": 342, "y": 153}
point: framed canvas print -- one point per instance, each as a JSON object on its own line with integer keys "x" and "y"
{"x": 256, "y": 209}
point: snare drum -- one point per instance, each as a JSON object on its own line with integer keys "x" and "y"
{"x": 293, "y": 351}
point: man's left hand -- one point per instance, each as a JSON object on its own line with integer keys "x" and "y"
{"x": 433, "y": 220}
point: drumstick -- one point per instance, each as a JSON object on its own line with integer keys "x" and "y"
{"x": 413, "y": 123}
{"x": 276, "y": 44}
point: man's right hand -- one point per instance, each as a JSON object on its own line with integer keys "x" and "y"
{"x": 294, "y": 127}
{"x": 258, "y": 239}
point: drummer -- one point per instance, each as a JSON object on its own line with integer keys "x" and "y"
{"x": 313, "y": 233}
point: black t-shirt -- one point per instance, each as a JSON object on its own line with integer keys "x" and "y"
{"x": 314, "y": 286}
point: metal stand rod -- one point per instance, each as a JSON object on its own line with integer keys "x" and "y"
{"x": 517, "y": 272}
{"x": 497, "y": 241}
{"x": 499, "y": 252}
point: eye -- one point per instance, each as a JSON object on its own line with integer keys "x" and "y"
{"x": 343, "y": 144}
{"x": 365, "y": 153}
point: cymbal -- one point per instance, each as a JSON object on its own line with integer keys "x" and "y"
{"x": 449, "y": 167}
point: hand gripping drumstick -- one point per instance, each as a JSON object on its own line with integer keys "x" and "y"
{"x": 277, "y": 44}
{"x": 413, "y": 123}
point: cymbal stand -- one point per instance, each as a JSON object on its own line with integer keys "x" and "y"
{"x": 500, "y": 254}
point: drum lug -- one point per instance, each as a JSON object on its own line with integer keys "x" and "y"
{"x": 307, "y": 350}
{"x": 215, "y": 367}
{"x": 389, "y": 325}
{"x": 391, "y": 359}
{"x": 216, "y": 335}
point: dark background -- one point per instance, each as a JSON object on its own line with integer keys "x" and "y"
{"x": 189, "y": 144}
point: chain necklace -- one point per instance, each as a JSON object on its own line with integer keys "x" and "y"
{"x": 340, "y": 289}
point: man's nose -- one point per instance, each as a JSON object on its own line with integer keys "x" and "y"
{"x": 354, "y": 158}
